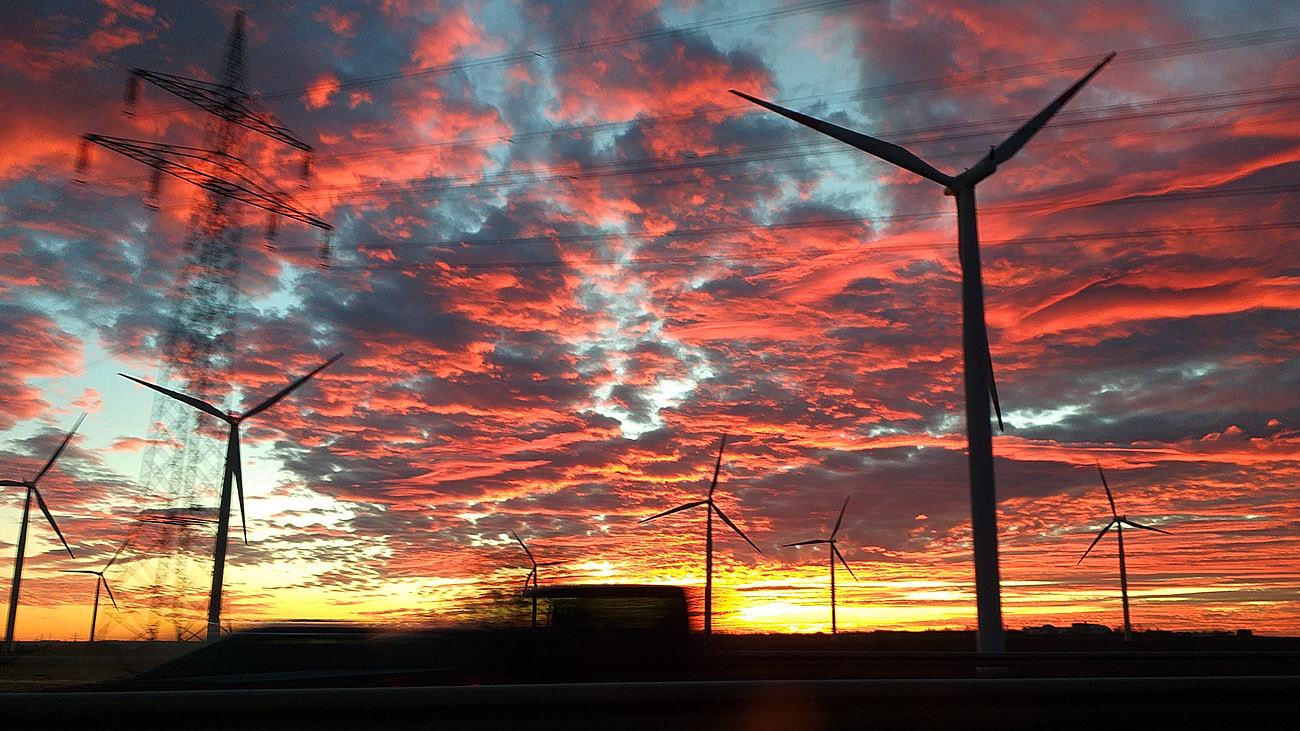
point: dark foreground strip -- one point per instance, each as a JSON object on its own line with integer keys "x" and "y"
{"x": 716, "y": 705}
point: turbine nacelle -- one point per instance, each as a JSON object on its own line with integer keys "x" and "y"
{"x": 532, "y": 575}
{"x": 911, "y": 162}
{"x": 712, "y": 506}
{"x": 835, "y": 551}
{"x": 100, "y": 580}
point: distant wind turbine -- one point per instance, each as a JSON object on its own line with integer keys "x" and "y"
{"x": 1118, "y": 521}
{"x": 100, "y": 582}
{"x": 22, "y": 532}
{"x": 233, "y": 469}
{"x": 708, "y": 533}
{"x": 977, "y": 359}
{"x": 532, "y": 575}
{"x": 835, "y": 553}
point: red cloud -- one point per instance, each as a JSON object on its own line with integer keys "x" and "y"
{"x": 321, "y": 91}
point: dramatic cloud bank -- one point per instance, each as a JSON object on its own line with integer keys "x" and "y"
{"x": 566, "y": 260}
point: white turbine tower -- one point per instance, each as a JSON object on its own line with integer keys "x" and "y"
{"x": 1118, "y": 521}
{"x": 22, "y": 531}
{"x": 835, "y": 553}
{"x": 233, "y": 469}
{"x": 708, "y": 536}
{"x": 978, "y": 363}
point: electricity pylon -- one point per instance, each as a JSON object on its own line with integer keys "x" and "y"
{"x": 182, "y": 464}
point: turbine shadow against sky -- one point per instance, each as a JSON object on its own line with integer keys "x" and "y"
{"x": 710, "y": 508}
{"x": 233, "y": 470}
{"x": 976, "y": 356}
{"x": 1118, "y": 522}
{"x": 32, "y": 490}
{"x": 834, "y": 554}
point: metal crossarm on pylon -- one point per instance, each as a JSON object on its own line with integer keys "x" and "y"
{"x": 226, "y": 102}
{"x": 182, "y": 163}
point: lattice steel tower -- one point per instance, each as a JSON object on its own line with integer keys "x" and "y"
{"x": 182, "y": 463}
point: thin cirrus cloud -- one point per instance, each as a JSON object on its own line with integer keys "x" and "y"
{"x": 565, "y": 261}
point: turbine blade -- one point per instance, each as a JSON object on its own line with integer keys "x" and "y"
{"x": 58, "y": 451}
{"x": 886, "y": 151}
{"x": 1126, "y": 521}
{"x": 993, "y": 381}
{"x": 679, "y": 508}
{"x": 203, "y": 406}
{"x": 521, "y": 544}
{"x": 739, "y": 532}
{"x": 110, "y": 591}
{"x": 551, "y": 563}
{"x": 717, "y": 466}
{"x": 118, "y": 553}
{"x": 13, "y": 483}
{"x": 1094, "y": 542}
{"x": 238, "y": 469}
{"x": 804, "y": 543}
{"x": 840, "y": 556}
{"x": 79, "y": 571}
{"x": 1108, "y": 495}
{"x": 285, "y": 391}
{"x": 531, "y": 577}
{"x": 41, "y": 502}
{"x": 839, "y": 520}
{"x": 1012, "y": 144}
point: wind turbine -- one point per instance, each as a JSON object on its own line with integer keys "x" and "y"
{"x": 977, "y": 359}
{"x": 22, "y": 532}
{"x": 233, "y": 469}
{"x": 835, "y": 553}
{"x": 1119, "y": 521}
{"x": 532, "y": 575}
{"x": 100, "y": 582}
{"x": 708, "y": 533}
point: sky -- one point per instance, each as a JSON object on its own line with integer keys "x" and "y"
{"x": 565, "y": 261}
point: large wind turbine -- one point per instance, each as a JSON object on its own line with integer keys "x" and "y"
{"x": 233, "y": 469}
{"x": 100, "y": 582}
{"x": 978, "y": 363}
{"x": 708, "y": 536}
{"x": 1118, "y": 521}
{"x": 22, "y": 532}
{"x": 532, "y": 575}
{"x": 835, "y": 553}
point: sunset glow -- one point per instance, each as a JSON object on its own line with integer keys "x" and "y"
{"x": 566, "y": 261}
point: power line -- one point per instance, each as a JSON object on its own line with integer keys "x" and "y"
{"x": 948, "y": 81}
{"x": 770, "y": 153}
{"x": 610, "y": 41}
{"x": 801, "y": 150}
{"x": 563, "y": 49}
{"x": 1139, "y": 54}
{"x": 817, "y": 251}
{"x": 1171, "y": 106}
{"x": 1135, "y": 55}
{"x": 684, "y": 234}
